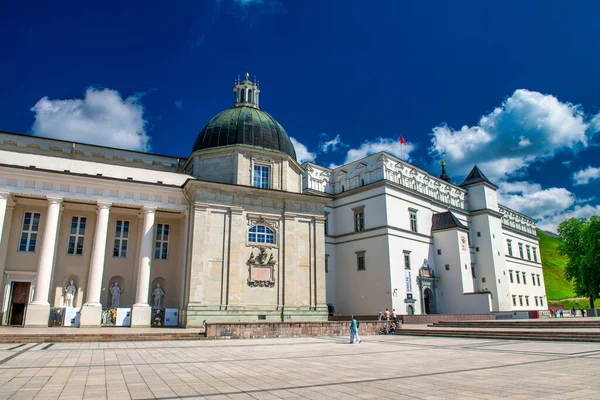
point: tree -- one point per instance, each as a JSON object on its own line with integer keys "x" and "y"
{"x": 581, "y": 244}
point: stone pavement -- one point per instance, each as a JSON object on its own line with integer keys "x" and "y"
{"x": 391, "y": 367}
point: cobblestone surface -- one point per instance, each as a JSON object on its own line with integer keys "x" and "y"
{"x": 392, "y": 367}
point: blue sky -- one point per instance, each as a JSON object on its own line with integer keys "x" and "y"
{"x": 511, "y": 86}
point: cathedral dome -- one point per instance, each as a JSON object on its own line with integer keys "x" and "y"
{"x": 245, "y": 124}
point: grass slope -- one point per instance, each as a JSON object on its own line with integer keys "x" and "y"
{"x": 557, "y": 287}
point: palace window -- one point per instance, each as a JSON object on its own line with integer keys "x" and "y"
{"x": 76, "y": 236}
{"x": 406, "y": 260}
{"x": 261, "y": 234}
{"x": 533, "y": 279}
{"x": 518, "y": 277}
{"x": 121, "y": 239}
{"x": 527, "y": 301}
{"x": 521, "y": 300}
{"x": 161, "y": 250}
{"x": 439, "y": 252}
{"x": 528, "y": 252}
{"x": 29, "y": 231}
{"x": 541, "y": 301}
{"x": 413, "y": 220}
{"x": 510, "y": 274}
{"x": 533, "y": 250}
{"x": 524, "y": 278}
{"x": 447, "y": 267}
{"x": 360, "y": 260}
{"x": 521, "y": 250}
{"x": 359, "y": 219}
{"x": 538, "y": 280}
{"x": 261, "y": 176}
{"x": 536, "y": 301}
{"x": 509, "y": 243}
{"x": 514, "y": 297}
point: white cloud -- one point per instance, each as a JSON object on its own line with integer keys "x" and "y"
{"x": 551, "y": 223}
{"x": 102, "y": 117}
{"x": 584, "y": 176}
{"x": 389, "y": 145}
{"x": 302, "y": 153}
{"x": 529, "y": 126}
{"x": 530, "y": 199}
{"x": 595, "y": 123}
{"x": 326, "y": 145}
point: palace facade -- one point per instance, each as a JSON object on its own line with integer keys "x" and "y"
{"x": 240, "y": 231}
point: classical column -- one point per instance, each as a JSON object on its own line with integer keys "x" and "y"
{"x": 91, "y": 312}
{"x": 3, "y": 203}
{"x": 38, "y": 311}
{"x": 140, "y": 313}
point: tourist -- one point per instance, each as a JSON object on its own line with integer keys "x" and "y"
{"x": 386, "y": 314}
{"x": 379, "y": 314}
{"x": 395, "y": 317}
{"x": 573, "y": 311}
{"x": 582, "y": 312}
{"x": 354, "y": 338}
{"x": 561, "y": 313}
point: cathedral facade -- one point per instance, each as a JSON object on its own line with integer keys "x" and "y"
{"x": 240, "y": 231}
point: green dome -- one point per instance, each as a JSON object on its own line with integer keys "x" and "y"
{"x": 245, "y": 125}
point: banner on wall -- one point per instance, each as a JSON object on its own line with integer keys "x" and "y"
{"x": 408, "y": 276}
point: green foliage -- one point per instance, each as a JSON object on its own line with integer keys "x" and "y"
{"x": 581, "y": 244}
{"x": 578, "y": 303}
{"x": 557, "y": 287}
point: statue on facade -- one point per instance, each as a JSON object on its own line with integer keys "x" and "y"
{"x": 115, "y": 292}
{"x": 70, "y": 291}
{"x": 157, "y": 295}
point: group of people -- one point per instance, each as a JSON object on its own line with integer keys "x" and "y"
{"x": 555, "y": 312}
{"x": 391, "y": 324}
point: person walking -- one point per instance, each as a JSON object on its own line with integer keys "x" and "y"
{"x": 354, "y": 338}
{"x": 379, "y": 315}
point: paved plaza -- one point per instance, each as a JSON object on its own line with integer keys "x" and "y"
{"x": 391, "y": 367}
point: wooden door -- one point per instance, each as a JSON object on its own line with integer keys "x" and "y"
{"x": 18, "y": 302}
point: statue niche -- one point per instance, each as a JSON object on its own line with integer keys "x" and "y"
{"x": 261, "y": 269}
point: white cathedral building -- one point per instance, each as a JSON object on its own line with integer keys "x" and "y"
{"x": 240, "y": 231}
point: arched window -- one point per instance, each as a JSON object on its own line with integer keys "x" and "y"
{"x": 243, "y": 96}
{"x": 249, "y": 95}
{"x": 261, "y": 234}
{"x": 342, "y": 188}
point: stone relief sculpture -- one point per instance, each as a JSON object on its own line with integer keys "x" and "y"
{"x": 261, "y": 270}
{"x": 70, "y": 291}
{"x": 115, "y": 292}
{"x": 157, "y": 295}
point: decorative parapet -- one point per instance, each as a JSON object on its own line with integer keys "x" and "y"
{"x": 377, "y": 167}
{"x": 520, "y": 222}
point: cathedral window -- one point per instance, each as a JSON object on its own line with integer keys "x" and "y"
{"x": 242, "y": 96}
{"x": 261, "y": 234}
{"x": 76, "y": 236}
{"x": 360, "y": 260}
{"x": 29, "y": 231}
{"x": 359, "y": 219}
{"x": 413, "y": 220}
{"x": 521, "y": 250}
{"x": 406, "y": 259}
{"x": 161, "y": 250}
{"x": 261, "y": 176}
{"x": 121, "y": 239}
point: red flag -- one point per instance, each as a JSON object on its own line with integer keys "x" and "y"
{"x": 402, "y": 141}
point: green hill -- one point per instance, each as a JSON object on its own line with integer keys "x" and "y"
{"x": 557, "y": 288}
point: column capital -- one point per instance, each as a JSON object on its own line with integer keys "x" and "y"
{"x": 148, "y": 210}
{"x": 4, "y": 195}
{"x": 104, "y": 205}
{"x": 54, "y": 200}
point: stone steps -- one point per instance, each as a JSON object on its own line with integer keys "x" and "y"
{"x": 550, "y": 324}
{"x": 98, "y": 337}
{"x": 499, "y": 334}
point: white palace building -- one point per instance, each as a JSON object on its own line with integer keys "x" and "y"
{"x": 240, "y": 231}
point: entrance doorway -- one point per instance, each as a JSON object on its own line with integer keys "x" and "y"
{"x": 18, "y": 302}
{"x": 427, "y": 300}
